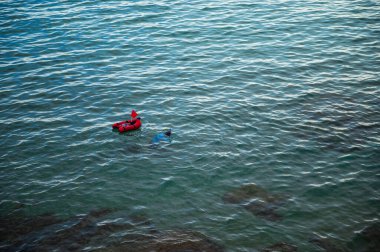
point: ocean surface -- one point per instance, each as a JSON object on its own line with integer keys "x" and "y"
{"x": 281, "y": 94}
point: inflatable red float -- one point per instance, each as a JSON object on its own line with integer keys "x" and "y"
{"x": 128, "y": 125}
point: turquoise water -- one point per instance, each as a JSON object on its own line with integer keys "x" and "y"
{"x": 282, "y": 94}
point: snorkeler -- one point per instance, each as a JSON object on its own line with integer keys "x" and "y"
{"x": 162, "y": 137}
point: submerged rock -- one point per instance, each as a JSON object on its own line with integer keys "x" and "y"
{"x": 368, "y": 240}
{"x": 280, "y": 247}
{"x": 248, "y": 192}
{"x": 256, "y": 200}
{"x": 14, "y": 228}
{"x": 328, "y": 245}
{"x": 48, "y": 232}
{"x": 264, "y": 210}
{"x": 170, "y": 241}
{"x": 97, "y": 230}
{"x": 79, "y": 232}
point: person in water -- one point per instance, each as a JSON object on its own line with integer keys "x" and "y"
{"x": 162, "y": 137}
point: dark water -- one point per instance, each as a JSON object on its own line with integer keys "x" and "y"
{"x": 281, "y": 94}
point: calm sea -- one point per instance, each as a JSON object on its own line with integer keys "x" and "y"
{"x": 282, "y": 94}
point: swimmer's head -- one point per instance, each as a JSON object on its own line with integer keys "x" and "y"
{"x": 169, "y": 132}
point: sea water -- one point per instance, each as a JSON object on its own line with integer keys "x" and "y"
{"x": 282, "y": 94}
